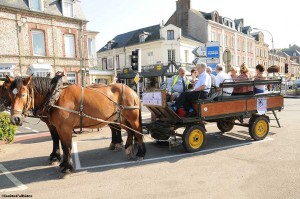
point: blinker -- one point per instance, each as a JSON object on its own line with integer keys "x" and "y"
{"x": 15, "y": 91}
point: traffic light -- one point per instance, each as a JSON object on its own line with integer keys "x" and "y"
{"x": 286, "y": 68}
{"x": 135, "y": 60}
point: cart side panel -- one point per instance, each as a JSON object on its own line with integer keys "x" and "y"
{"x": 222, "y": 108}
{"x": 273, "y": 102}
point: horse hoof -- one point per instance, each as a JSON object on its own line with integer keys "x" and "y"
{"x": 53, "y": 163}
{"x": 112, "y": 146}
{"x": 140, "y": 159}
{"x": 65, "y": 175}
{"x": 119, "y": 147}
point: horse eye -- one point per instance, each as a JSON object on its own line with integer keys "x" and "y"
{"x": 23, "y": 95}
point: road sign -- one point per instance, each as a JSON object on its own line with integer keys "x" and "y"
{"x": 137, "y": 78}
{"x": 200, "y": 51}
{"x": 199, "y": 60}
{"x": 212, "y": 50}
{"x": 212, "y": 60}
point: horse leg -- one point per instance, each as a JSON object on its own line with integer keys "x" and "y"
{"x": 65, "y": 135}
{"x": 117, "y": 142}
{"x": 55, "y": 155}
{"x": 139, "y": 138}
{"x": 129, "y": 148}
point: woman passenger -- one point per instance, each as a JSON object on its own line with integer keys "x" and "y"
{"x": 244, "y": 75}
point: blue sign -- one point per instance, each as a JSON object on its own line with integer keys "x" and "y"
{"x": 212, "y": 51}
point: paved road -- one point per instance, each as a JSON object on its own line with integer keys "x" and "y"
{"x": 229, "y": 166}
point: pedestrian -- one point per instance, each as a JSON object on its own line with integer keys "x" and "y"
{"x": 221, "y": 78}
{"x": 200, "y": 91}
{"x": 177, "y": 84}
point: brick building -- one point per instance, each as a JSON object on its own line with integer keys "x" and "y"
{"x": 42, "y": 36}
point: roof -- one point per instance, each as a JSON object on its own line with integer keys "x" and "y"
{"x": 292, "y": 52}
{"x": 52, "y": 7}
{"x": 132, "y": 37}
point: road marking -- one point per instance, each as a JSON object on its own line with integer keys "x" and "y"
{"x": 27, "y": 128}
{"x": 35, "y": 131}
{"x": 170, "y": 156}
{"x": 76, "y": 156}
{"x": 17, "y": 183}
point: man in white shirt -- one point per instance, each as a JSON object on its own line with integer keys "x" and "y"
{"x": 221, "y": 78}
{"x": 200, "y": 91}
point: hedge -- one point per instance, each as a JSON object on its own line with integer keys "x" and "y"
{"x": 7, "y": 130}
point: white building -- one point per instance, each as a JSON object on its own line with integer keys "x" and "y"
{"x": 161, "y": 47}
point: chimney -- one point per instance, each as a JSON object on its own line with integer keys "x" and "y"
{"x": 182, "y": 14}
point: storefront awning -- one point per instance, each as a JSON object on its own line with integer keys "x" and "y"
{"x": 100, "y": 72}
{"x": 36, "y": 68}
{"x": 7, "y": 67}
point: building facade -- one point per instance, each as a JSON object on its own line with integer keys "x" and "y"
{"x": 43, "y": 36}
{"x": 160, "y": 45}
{"x": 261, "y": 49}
{"x": 236, "y": 42}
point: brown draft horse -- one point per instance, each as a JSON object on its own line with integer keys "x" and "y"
{"x": 99, "y": 103}
{"x": 42, "y": 87}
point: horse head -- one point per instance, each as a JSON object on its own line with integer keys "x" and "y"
{"x": 5, "y": 100}
{"x": 21, "y": 96}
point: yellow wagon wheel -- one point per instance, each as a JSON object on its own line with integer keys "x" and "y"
{"x": 259, "y": 128}
{"x": 193, "y": 138}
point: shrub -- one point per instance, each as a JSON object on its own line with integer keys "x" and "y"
{"x": 7, "y": 130}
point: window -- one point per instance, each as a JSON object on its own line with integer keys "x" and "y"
{"x": 213, "y": 36}
{"x": 101, "y": 81}
{"x": 91, "y": 46}
{"x": 69, "y": 45}
{"x": 38, "y": 43}
{"x": 170, "y": 35}
{"x": 232, "y": 41}
{"x": 117, "y": 62}
{"x": 142, "y": 38}
{"x": 186, "y": 56}
{"x": 238, "y": 60}
{"x": 220, "y": 39}
{"x": 226, "y": 40}
{"x": 67, "y": 8}
{"x": 171, "y": 55}
{"x": 104, "y": 63}
{"x": 238, "y": 44}
{"x": 110, "y": 63}
{"x": 150, "y": 58}
{"x": 36, "y": 5}
{"x": 71, "y": 77}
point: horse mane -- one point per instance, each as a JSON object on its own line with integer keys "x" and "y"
{"x": 40, "y": 85}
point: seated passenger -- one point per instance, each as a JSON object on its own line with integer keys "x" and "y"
{"x": 193, "y": 79}
{"x": 221, "y": 78}
{"x": 200, "y": 91}
{"x": 177, "y": 84}
{"x": 259, "y": 76}
{"x": 244, "y": 75}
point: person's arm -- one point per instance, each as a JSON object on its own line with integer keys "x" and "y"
{"x": 200, "y": 88}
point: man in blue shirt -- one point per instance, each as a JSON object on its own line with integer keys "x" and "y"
{"x": 200, "y": 91}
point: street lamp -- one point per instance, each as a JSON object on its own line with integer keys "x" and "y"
{"x": 271, "y": 40}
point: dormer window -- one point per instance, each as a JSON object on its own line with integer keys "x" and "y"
{"x": 170, "y": 34}
{"x": 111, "y": 44}
{"x": 143, "y": 37}
{"x": 68, "y": 8}
{"x": 37, "y": 5}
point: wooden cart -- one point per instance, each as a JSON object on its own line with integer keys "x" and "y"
{"x": 225, "y": 111}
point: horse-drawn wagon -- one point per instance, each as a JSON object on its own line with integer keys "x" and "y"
{"x": 226, "y": 111}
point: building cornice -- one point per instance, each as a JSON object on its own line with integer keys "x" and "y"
{"x": 41, "y": 14}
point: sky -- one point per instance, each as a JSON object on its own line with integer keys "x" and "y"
{"x": 113, "y": 17}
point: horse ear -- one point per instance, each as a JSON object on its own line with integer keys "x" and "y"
{"x": 9, "y": 79}
{"x": 8, "y": 82}
{"x": 27, "y": 81}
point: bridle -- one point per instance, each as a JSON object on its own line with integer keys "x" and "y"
{"x": 28, "y": 106}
